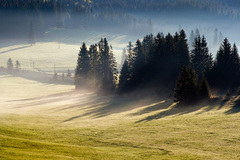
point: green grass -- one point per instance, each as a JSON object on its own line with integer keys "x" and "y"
{"x": 206, "y": 136}
{"x": 39, "y": 121}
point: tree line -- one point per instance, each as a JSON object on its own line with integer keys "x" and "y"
{"x": 161, "y": 64}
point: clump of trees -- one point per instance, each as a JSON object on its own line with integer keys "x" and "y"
{"x": 154, "y": 63}
{"x": 96, "y": 68}
{"x": 161, "y": 65}
{"x": 11, "y": 68}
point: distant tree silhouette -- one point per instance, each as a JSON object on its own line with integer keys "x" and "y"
{"x": 9, "y": 65}
{"x": 197, "y": 33}
{"x": 55, "y": 77}
{"x": 17, "y": 66}
{"x": 69, "y": 73}
{"x": 220, "y": 38}
{"x": 215, "y": 37}
{"x": 63, "y": 76}
{"x": 191, "y": 38}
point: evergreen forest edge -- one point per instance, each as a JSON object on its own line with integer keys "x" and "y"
{"x": 161, "y": 65}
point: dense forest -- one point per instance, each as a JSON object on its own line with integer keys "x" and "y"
{"x": 161, "y": 65}
{"x": 101, "y": 15}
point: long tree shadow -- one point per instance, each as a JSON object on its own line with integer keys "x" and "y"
{"x": 72, "y": 96}
{"x": 14, "y": 49}
{"x": 104, "y": 106}
{"x": 235, "y": 108}
{"x": 164, "y": 104}
{"x": 176, "y": 109}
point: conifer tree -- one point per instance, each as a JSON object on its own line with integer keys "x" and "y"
{"x": 138, "y": 66}
{"x": 215, "y": 37}
{"x": 83, "y": 67}
{"x": 200, "y": 56}
{"x": 235, "y": 66}
{"x": 17, "y": 66}
{"x": 9, "y": 65}
{"x": 63, "y": 76}
{"x": 186, "y": 87}
{"x": 191, "y": 39}
{"x": 55, "y": 77}
{"x": 204, "y": 89}
{"x": 107, "y": 67}
{"x": 182, "y": 50}
{"x": 69, "y": 73}
{"x": 123, "y": 58}
{"x": 223, "y": 65}
{"x": 197, "y": 33}
{"x": 94, "y": 65}
{"x": 124, "y": 78}
{"x": 130, "y": 58}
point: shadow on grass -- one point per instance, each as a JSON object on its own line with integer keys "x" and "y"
{"x": 176, "y": 109}
{"x": 93, "y": 106}
{"x": 14, "y": 49}
{"x": 103, "y": 106}
{"x": 235, "y": 108}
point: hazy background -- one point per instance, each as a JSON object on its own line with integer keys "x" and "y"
{"x": 72, "y": 22}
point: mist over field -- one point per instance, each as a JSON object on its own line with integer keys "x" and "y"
{"x": 119, "y": 79}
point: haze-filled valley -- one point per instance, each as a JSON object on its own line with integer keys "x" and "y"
{"x": 111, "y": 79}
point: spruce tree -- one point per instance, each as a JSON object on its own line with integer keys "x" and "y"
{"x": 107, "y": 68}
{"x": 124, "y": 78}
{"x": 138, "y": 66}
{"x": 200, "y": 56}
{"x": 222, "y": 68}
{"x": 9, "y": 65}
{"x": 186, "y": 87}
{"x": 235, "y": 67}
{"x": 215, "y": 37}
{"x": 123, "y": 58}
{"x": 204, "y": 89}
{"x": 197, "y": 33}
{"x": 69, "y": 73}
{"x": 182, "y": 51}
{"x": 83, "y": 67}
{"x": 94, "y": 65}
{"x": 17, "y": 66}
{"x": 191, "y": 39}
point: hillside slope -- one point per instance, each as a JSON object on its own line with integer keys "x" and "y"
{"x": 39, "y": 121}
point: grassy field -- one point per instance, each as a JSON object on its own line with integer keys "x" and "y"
{"x": 41, "y": 121}
{"x": 58, "y": 49}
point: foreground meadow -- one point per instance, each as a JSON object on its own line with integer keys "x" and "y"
{"x": 43, "y": 121}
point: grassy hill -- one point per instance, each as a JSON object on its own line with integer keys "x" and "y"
{"x": 39, "y": 121}
{"x": 59, "y": 48}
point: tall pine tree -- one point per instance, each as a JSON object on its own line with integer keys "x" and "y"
{"x": 83, "y": 67}
{"x": 186, "y": 87}
{"x": 107, "y": 68}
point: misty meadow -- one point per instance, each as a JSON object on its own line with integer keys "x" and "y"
{"x": 111, "y": 79}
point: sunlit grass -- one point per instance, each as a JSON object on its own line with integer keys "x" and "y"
{"x": 53, "y": 122}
